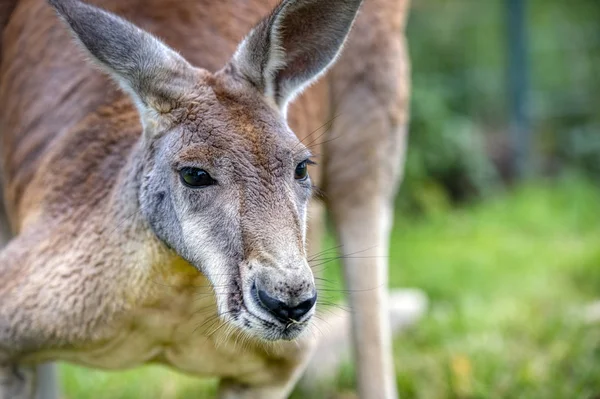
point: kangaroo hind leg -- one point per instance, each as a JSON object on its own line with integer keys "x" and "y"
{"x": 365, "y": 156}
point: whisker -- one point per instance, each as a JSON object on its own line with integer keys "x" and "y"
{"x": 314, "y": 256}
{"x": 317, "y": 129}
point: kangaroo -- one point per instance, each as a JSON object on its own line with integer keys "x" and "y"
{"x": 168, "y": 217}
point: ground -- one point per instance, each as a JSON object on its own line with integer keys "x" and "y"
{"x": 508, "y": 280}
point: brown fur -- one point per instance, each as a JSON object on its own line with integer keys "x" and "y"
{"x": 68, "y": 135}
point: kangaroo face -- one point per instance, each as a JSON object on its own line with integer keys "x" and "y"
{"x": 225, "y": 181}
{"x": 228, "y": 189}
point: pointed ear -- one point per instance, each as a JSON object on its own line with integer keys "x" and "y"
{"x": 289, "y": 49}
{"x": 149, "y": 71}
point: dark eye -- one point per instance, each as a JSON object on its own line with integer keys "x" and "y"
{"x": 301, "y": 172}
{"x": 196, "y": 178}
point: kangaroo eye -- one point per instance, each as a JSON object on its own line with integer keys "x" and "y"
{"x": 196, "y": 178}
{"x": 301, "y": 172}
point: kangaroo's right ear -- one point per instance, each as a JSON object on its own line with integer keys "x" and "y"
{"x": 290, "y": 48}
{"x": 153, "y": 74}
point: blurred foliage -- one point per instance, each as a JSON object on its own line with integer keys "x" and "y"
{"x": 509, "y": 280}
{"x": 460, "y": 145}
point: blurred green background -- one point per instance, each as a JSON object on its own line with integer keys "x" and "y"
{"x": 509, "y": 255}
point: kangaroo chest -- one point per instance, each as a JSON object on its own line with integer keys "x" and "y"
{"x": 180, "y": 328}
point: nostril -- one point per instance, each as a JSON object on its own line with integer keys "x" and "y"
{"x": 274, "y": 306}
{"x": 303, "y": 308}
{"x": 281, "y": 310}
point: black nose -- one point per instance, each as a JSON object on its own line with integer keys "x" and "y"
{"x": 282, "y": 310}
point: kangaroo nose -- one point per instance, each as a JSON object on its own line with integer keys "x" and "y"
{"x": 281, "y": 310}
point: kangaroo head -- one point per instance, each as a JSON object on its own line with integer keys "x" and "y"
{"x": 225, "y": 180}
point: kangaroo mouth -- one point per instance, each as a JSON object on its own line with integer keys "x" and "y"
{"x": 258, "y": 326}
{"x": 269, "y": 330}
{"x": 241, "y": 307}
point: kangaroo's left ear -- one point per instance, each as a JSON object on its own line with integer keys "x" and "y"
{"x": 154, "y": 75}
{"x": 289, "y": 49}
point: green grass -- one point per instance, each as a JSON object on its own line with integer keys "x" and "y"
{"x": 508, "y": 280}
